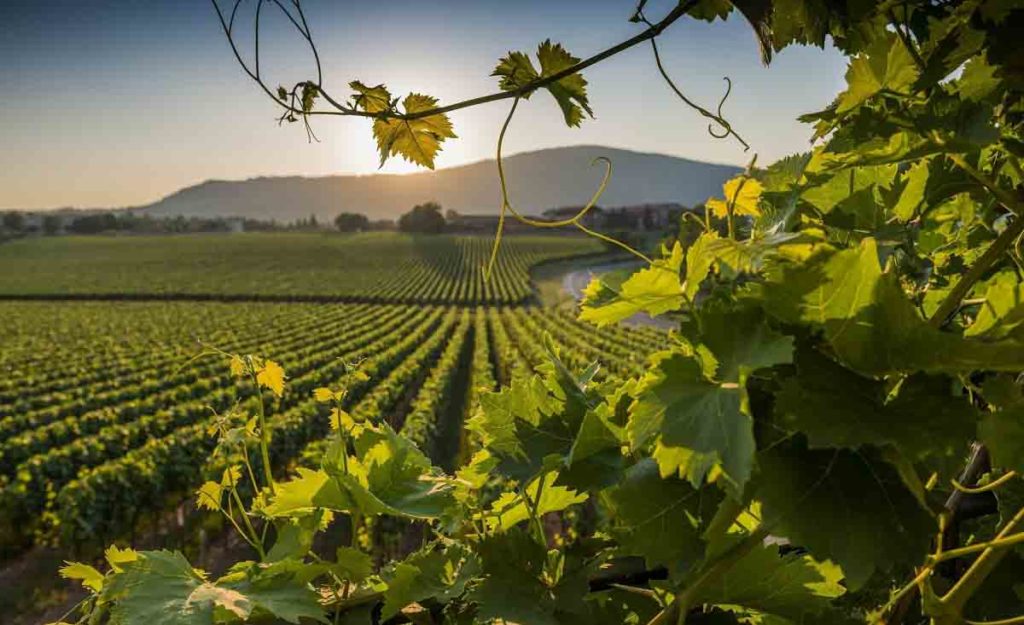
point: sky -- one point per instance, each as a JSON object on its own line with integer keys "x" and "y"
{"x": 111, "y": 103}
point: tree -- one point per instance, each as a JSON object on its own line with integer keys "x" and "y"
{"x": 51, "y": 224}
{"x": 13, "y": 221}
{"x": 423, "y": 218}
{"x": 94, "y": 224}
{"x": 351, "y": 222}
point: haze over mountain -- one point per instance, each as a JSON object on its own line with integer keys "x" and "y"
{"x": 537, "y": 181}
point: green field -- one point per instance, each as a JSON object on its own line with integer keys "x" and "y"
{"x": 104, "y": 419}
{"x": 375, "y": 267}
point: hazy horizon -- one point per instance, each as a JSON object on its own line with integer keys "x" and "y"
{"x": 122, "y": 105}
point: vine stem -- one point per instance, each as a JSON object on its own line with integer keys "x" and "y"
{"x": 652, "y": 31}
{"x": 264, "y": 433}
{"x": 983, "y": 565}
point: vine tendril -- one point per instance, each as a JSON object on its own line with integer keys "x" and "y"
{"x": 727, "y": 128}
{"x": 575, "y": 220}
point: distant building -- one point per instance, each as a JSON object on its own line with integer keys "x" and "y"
{"x": 594, "y": 218}
{"x": 235, "y": 224}
{"x": 482, "y": 224}
{"x": 637, "y": 218}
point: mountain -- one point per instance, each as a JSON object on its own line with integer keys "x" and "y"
{"x": 537, "y": 181}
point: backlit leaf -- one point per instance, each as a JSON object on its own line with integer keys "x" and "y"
{"x": 416, "y": 140}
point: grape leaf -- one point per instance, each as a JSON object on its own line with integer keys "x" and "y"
{"x": 1002, "y": 312}
{"x": 978, "y": 80}
{"x": 655, "y": 290}
{"x": 790, "y": 586}
{"x": 868, "y": 320}
{"x": 532, "y": 425}
{"x": 280, "y": 589}
{"x": 699, "y": 261}
{"x": 814, "y": 497}
{"x": 835, "y": 407}
{"x": 743, "y": 193}
{"x": 87, "y": 575}
{"x": 307, "y": 491}
{"x": 510, "y": 509}
{"x": 161, "y": 586}
{"x": 441, "y": 574}
{"x": 524, "y": 583}
{"x": 511, "y": 590}
{"x": 352, "y": 564}
{"x": 371, "y": 99}
{"x": 416, "y": 140}
{"x": 688, "y": 410}
{"x": 271, "y": 376}
{"x": 1002, "y": 429}
{"x": 739, "y": 339}
{"x": 516, "y": 71}
{"x": 659, "y": 519}
{"x": 885, "y": 64}
{"x": 389, "y": 476}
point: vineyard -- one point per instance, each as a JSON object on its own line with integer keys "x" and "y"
{"x": 370, "y": 267}
{"x": 832, "y": 432}
{"x": 104, "y": 421}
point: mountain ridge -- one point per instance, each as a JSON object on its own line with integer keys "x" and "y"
{"x": 537, "y": 179}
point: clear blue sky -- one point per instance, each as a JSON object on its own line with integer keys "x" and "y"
{"x": 116, "y": 103}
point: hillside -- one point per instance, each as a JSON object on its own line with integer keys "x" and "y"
{"x": 538, "y": 180}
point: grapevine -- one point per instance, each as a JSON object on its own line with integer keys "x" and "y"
{"x": 834, "y": 433}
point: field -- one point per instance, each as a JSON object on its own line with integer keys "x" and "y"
{"x": 104, "y": 419}
{"x": 371, "y": 267}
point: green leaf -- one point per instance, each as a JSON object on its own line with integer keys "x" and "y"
{"x": 978, "y": 81}
{"x": 912, "y": 195}
{"x": 1003, "y": 434}
{"x": 510, "y": 509}
{"x": 827, "y": 189}
{"x": 523, "y": 583}
{"x": 570, "y": 92}
{"x": 812, "y": 497}
{"x": 280, "y": 589}
{"x": 865, "y": 316}
{"x": 399, "y": 478}
{"x": 1002, "y": 312}
{"x": 690, "y": 411}
{"x": 352, "y": 564}
{"x": 835, "y": 407}
{"x": 389, "y": 476}
{"x": 371, "y": 99}
{"x": 440, "y": 574}
{"x": 515, "y": 71}
{"x": 791, "y": 586}
{"x": 305, "y": 493}
{"x": 87, "y": 575}
{"x": 699, "y": 261}
{"x": 886, "y": 64}
{"x": 1002, "y": 430}
{"x": 532, "y": 425}
{"x": 159, "y": 591}
{"x": 654, "y": 290}
{"x": 511, "y": 589}
{"x": 416, "y": 140}
{"x": 295, "y": 536}
{"x": 659, "y": 519}
{"x": 740, "y": 340}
